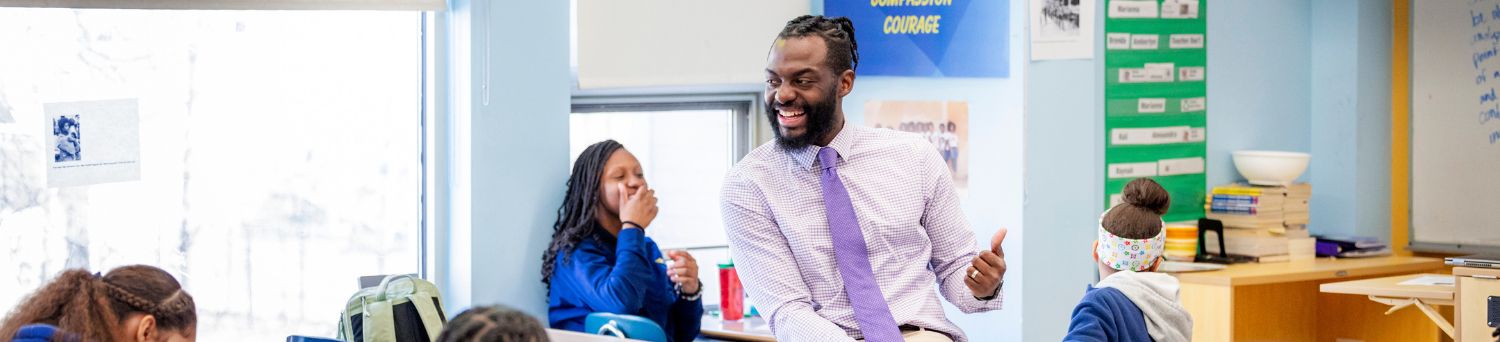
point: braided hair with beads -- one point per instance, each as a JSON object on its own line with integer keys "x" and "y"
{"x": 575, "y": 218}
{"x": 493, "y": 324}
{"x": 93, "y": 307}
{"x": 836, "y": 32}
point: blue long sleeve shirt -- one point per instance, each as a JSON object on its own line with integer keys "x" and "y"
{"x": 1107, "y": 315}
{"x": 626, "y": 277}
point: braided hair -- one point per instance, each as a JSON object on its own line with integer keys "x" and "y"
{"x": 575, "y": 218}
{"x": 75, "y": 302}
{"x": 837, "y": 33}
{"x": 493, "y": 324}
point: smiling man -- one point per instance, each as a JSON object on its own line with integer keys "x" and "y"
{"x": 842, "y": 232}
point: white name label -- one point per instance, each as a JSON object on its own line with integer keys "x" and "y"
{"x": 1179, "y": 9}
{"x": 1190, "y": 73}
{"x": 1153, "y": 72}
{"x": 1117, "y": 41}
{"x": 1132, "y": 170}
{"x": 1132, "y": 9}
{"x": 1144, "y": 41}
{"x": 1157, "y": 105}
{"x": 1180, "y": 166}
{"x": 1193, "y": 104}
{"x": 1185, "y": 41}
{"x": 1151, "y": 136}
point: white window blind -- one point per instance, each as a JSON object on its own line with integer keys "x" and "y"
{"x": 677, "y": 42}
{"x": 408, "y": 5}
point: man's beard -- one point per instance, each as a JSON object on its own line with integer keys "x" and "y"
{"x": 820, "y": 120}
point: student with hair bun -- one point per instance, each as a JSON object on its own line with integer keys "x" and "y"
{"x": 130, "y": 303}
{"x": 1132, "y": 302}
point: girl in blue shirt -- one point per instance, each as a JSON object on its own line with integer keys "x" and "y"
{"x": 600, "y": 259}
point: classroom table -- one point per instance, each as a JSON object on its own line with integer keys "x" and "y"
{"x": 1475, "y": 286}
{"x": 1391, "y": 291}
{"x": 1281, "y": 302}
{"x": 748, "y": 329}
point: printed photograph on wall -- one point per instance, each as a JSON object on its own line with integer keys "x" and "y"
{"x": 109, "y": 130}
{"x": 1062, "y": 29}
{"x": 943, "y": 123}
{"x": 69, "y": 145}
{"x": 1060, "y": 18}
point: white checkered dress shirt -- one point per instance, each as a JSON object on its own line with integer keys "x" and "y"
{"x": 913, "y": 226}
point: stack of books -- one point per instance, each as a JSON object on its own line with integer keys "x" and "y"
{"x": 1263, "y": 221}
{"x": 1294, "y": 208}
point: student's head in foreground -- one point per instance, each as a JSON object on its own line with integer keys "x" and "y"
{"x": 130, "y": 303}
{"x": 1132, "y": 235}
{"x": 493, "y": 324}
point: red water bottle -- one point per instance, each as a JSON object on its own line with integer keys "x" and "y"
{"x": 731, "y": 294}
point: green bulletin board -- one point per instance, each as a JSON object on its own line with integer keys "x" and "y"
{"x": 1155, "y": 100}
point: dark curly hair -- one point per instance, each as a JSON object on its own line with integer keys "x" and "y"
{"x": 92, "y": 307}
{"x": 575, "y": 218}
{"x": 837, "y": 33}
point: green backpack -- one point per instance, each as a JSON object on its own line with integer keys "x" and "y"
{"x": 402, "y": 308}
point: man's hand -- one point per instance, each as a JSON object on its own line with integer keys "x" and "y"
{"x": 988, "y": 271}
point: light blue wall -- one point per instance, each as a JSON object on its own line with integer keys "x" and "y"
{"x": 512, "y": 89}
{"x": 1263, "y": 79}
{"x": 1351, "y": 115}
{"x": 1064, "y": 163}
{"x": 1258, "y": 81}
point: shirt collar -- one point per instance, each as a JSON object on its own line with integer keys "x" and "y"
{"x": 806, "y": 157}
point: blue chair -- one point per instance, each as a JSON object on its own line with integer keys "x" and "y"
{"x": 297, "y": 338}
{"x": 625, "y": 326}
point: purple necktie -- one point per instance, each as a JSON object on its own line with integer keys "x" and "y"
{"x": 870, "y": 309}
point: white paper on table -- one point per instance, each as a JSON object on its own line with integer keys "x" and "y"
{"x": 1429, "y": 280}
{"x": 92, "y": 142}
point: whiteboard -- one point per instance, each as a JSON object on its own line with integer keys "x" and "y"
{"x": 1455, "y": 124}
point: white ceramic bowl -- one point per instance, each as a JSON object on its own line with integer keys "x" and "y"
{"x": 1270, "y": 167}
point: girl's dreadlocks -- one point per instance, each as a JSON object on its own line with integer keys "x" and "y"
{"x": 575, "y": 218}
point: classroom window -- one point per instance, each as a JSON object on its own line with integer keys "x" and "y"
{"x": 685, "y": 149}
{"x": 281, "y": 156}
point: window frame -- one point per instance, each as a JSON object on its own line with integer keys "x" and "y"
{"x": 746, "y": 130}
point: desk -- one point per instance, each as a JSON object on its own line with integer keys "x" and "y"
{"x": 557, "y": 335}
{"x": 748, "y": 329}
{"x": 1475, "y": 285}
{"x": 1281, "y": 302}
{"x": 1389, "y": 291}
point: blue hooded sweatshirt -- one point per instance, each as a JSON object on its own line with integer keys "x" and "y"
{"x": 1131, "y": 306}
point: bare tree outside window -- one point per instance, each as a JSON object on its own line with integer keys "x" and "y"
{"x": 280, "y": 156}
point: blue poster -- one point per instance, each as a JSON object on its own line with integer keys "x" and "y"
{"x": 929, "y": 38}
